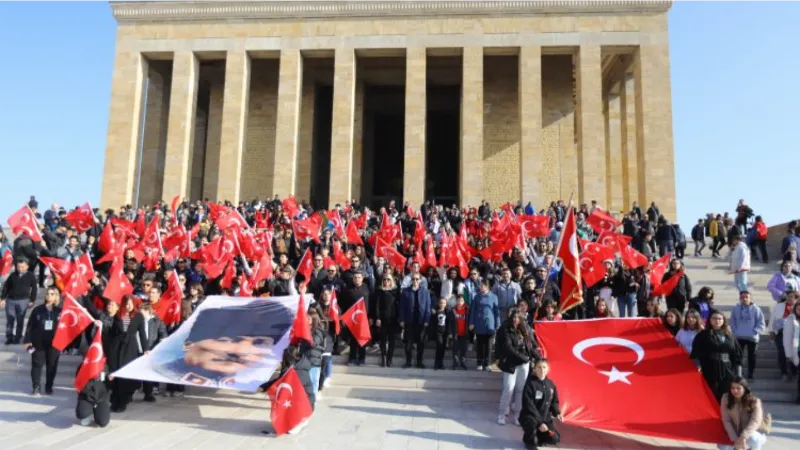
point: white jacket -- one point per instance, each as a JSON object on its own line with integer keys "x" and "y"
{"x": 740, "y": 258}
{"x": 776, "y": 320}
{"x": 791, "y": 339}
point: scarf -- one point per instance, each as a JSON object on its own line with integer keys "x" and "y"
{"x": 787, "y": 310}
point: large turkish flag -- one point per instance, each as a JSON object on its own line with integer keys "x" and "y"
{"x": 630, "y": 376}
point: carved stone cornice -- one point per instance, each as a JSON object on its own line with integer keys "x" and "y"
{"x": 153, "y": 11}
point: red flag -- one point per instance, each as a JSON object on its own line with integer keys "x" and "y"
{"x": 168, "y": 308}
{"x": 106, "y": 241}
{"x": 361, "y": 221}
{"x": 351, "y": 234}
{"x": 6, "y": 263}
{"x": 356, "y": 320}
{"x": 73, "y": 320}
{"x": 592, "y": 269}
{"x": 395, "y": 259}
{"x": 430, "y": 256}
{"x": 419, "y": 230}
{"x": 306, "y": 265}
{"x": 290, "y": 206}
{"x": 140, "y": 225}
{"x": 604, "y": 368}
{"x": 151, "y": 239}
{"x": 215, "y": 210}
{"x": 340, "y": 257}
{"x": 567, "y": 252}
{"x": 289, "y": 402}
{"x": 124, "y": 227}
{"x": 300, "y": 328}
{"x": 602, "y": 221}
{"x": 84, "y": 265}
{"x": 93, "y": 362}
{"x": 82, "y": 218}
{"x": 658, "y": 269}
{"x": 173, "y": 206}
{"x": 76, "y": 284}
{"x": 668, "y": 286}
{"x": 262, "y": 270}
{"x": 233, "y": 219}
{"x": 306, "y": 229}
{"x": 262, "y": 220}
{"x": 333, "y": 313}
{"x": 24, "y": 222}
{"x": 336, "y": 220}
{"x": 213, "y": 269}
{"x": 534, "y": 226}
{"x": 614, "y": 240}
{"x": 632, "y": 258}
{"x": 245, "y": 289}
{"x": 116, "y": 252}
{"x": 118, "y": 284}
{"x": 61, "y": 268}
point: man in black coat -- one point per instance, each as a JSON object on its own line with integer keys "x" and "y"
{"x": 539, "y": 408}
{"x": 352, "y": 294}
{"x": 19, "y": 294}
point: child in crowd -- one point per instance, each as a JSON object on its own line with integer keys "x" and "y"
{"x": 539, "y": 408}
{"x": 440, "y": 331}
{"x": 458, "y": 325}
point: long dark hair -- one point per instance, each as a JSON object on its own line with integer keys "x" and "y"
{"x": 748, "y": 399}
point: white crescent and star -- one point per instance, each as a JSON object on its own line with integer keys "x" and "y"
{"x": 614, "y": 374}
{"x": 74, "y": 318}
{"x": 355, "y": 314}
{"x": 287, "y": 403}
{"x": 99, "y": 353}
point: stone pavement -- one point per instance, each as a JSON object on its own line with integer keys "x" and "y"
{"x": 366, "y": 408}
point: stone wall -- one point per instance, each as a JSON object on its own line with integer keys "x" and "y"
{"x": 501, "y": 151}
{"x": 154, "y": 143}
{"x": 259, "y": 154}
{"x": 559, "y": 158}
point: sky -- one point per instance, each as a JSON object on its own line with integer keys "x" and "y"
{"x": 735, "y": 67}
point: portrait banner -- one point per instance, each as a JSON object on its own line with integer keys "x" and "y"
{"x": 229, "y": 342}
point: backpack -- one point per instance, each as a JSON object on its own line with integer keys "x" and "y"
{"x": 761, "y": 231}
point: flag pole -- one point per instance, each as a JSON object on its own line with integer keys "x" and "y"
{"x": 560, "y": 238}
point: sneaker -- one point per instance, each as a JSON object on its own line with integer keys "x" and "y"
{"x": 149, "y": 399}
{"x": 86, "y": 422}
{"x": 319, "y": 396}
{"x": 463, "y": 366}
{"x": 177, "y": 394}
{"x": 516, "y": 421}
{"x": 407, "y": 365}
{"x": 37, "y": 391}
{"x": 361, "y": 362}
{"x": 488, "y": 369}
{"x": 351, "y": 362}
{"x": 501, "y": 420}
{"x": 9, "y": 341}
{"x": 469, "y": 347}
{"x": 48, "y": 391}
{"x": 327, "y": 383}
{"x": 480, "y": 368}
{"x": 420, "y": 365}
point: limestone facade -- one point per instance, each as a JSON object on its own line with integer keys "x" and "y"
{"x": 237, "y": 100}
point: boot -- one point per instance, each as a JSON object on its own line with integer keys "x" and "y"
{"x": 407, "y": 364}
{"x": 389, "y": 360}
{"x": 383, "y": 361}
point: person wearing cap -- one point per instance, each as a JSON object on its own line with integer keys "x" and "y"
{"x": 18, "y": 294}
{"x": 747, "y": 322}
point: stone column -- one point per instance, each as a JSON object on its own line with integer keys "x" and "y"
{"x": 471, "y": 161}
{"x": 630, "y": 153}
{"x": 591, "y": 131}
{"x": 213, "y": 135}
{"x": 344, "y": 82}
{"x": 124, "y": 129}
{"x": 290, "y": 83}
{"x": 654, "y": 127}
{"x": 234, "y": 123}
{"x": 180, "y": 131}
{"x": 361, "y": 183}
{"x": 530, "y": 121}
{"x": 302, "y": 188}
{"x": 614, "y": 157}
{"x": 415, "y": 122}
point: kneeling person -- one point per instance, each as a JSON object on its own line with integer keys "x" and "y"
{"x": 539, "y": 408}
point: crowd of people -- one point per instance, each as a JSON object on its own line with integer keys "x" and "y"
{"x": 485, "y": 296}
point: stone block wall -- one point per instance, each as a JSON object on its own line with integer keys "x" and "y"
{"x": 559, "y": 156}
{"x": 501, "y": 151}
{"x": 259, "y": 154}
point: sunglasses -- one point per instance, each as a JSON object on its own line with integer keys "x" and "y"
{"x": 415, "y": 279}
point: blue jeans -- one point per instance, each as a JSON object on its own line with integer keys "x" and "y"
{"x": 740, "y": 280}
{"x": 15, "y": 315}
{"x": 314, "y": 373}
{"x": 754, "y": 442}
{"x": 627, "y": 305}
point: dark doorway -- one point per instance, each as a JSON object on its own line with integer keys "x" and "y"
{"x": 383, "y": 145}
{"x": 321, "y": 147}
{"x": 443, "y": 143}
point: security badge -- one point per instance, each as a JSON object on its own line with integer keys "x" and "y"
{"x": 539, "y": 395}
{"x": 48, "y": 325}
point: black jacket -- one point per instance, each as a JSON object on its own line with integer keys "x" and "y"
{"x": 314, "y": 352}
{"x": 384, "y": 307}
{"x": 683, "y": 291}
{"x": 24, "y": 247}
{"x": 36, "y": 333}
{"x": 352, "y": 294}
{"x": 20, "y": 287}
{"x": 512, "y": 348}
{"x": 539, "y": 401}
